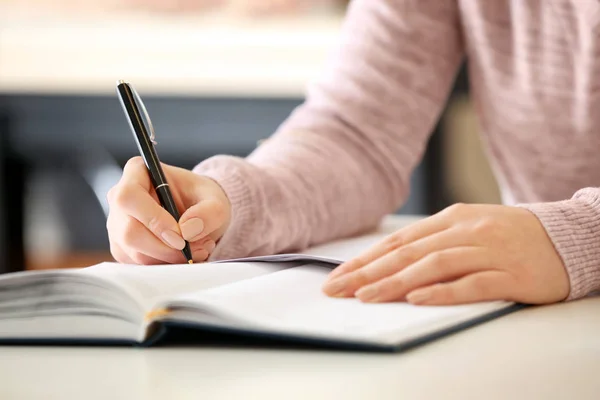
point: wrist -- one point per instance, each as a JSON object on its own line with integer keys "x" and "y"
{"x": 573, "y": 227}
{"x": 236, "y": 182}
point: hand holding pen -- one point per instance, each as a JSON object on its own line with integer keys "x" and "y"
{"x": 144, "y": 223}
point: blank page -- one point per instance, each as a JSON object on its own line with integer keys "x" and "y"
{"x": 291, "y": 301}
{"x": 150, "y": 284}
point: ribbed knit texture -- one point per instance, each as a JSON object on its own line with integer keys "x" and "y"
{"x": 343, "y": 159}
{"x": 574, "y": 227}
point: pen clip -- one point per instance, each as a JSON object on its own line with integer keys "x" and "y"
{"x": 146, "y": 116}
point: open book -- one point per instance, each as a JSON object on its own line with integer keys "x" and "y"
{"x": 276, "y": 297}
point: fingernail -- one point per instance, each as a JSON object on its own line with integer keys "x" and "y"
{"x": 367, "y": 293}
{"x": 192, "y": 228}
{"x": 418, "y": 297}
{"x": 173, "y": 239}
{"x": 335, "y": 288}
{"x": 210, "y": 246}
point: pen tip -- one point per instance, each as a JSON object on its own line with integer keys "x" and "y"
{"x": 190, "y": 261}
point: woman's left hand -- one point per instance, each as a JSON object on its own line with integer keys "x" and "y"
{"x": 464, "y": 254}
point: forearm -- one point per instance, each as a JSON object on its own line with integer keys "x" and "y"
{"x": 344, "y": 158}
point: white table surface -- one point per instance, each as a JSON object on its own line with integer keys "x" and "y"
{"x": 164, "y": 55}
{"x": 550, "y": 352}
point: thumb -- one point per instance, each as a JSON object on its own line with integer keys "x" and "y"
{"x": 202, "y": 219}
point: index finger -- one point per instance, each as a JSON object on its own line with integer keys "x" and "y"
{"x": 135, "y": 172}
{"x": 411, "y": 233}
{"x": 132, "y": 195}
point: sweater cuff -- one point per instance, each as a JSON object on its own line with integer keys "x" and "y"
{"x": 574, "y": 228}
{"x": 234, "y": 177}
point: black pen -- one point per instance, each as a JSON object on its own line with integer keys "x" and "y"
{"x": 143, "y": 132}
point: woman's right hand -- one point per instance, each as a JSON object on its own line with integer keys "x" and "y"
{"x": 142, "y": 232}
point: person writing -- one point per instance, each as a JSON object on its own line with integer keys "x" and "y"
{"x": 342, "y": 160}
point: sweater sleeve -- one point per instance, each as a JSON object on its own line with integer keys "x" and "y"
{"x": 574, "y": 227}
{"x": 343, "y": 159}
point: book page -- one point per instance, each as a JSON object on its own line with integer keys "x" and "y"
{"x": 291, "y": 301}
{"x": 346, "y": 248}
{"x": 149, "y": 284}
{"x": 333, "y": 253}
{"x": 337, "y": 251}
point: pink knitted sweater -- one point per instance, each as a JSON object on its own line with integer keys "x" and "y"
{"x": 343, "y": 159}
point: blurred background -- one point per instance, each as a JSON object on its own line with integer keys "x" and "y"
{"x": 217, "y": 76}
